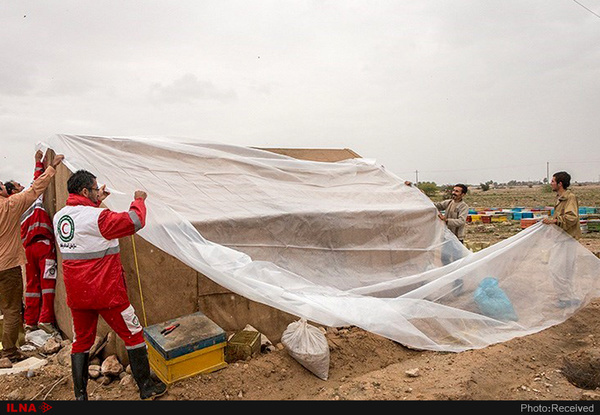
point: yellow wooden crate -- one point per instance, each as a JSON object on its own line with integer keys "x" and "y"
{"x": 185, "y": 346}
{"x": 499, "y": 218}
{"x": 475, "y": 218}
{"x": 201, "y": 361}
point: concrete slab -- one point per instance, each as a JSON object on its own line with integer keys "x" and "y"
{"x": 29, "y": 363}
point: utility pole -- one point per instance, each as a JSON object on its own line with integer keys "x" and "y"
{"x": 416, "y": 176}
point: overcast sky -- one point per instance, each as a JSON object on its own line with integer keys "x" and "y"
{"x": 460, "y": 91}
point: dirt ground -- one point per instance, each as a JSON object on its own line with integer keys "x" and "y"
{"x": 364, "y": 366}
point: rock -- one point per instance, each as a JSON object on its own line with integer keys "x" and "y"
{"x": 63, "y": 357}
{"x": 110, "y": 345}
{"x": 127, "y": 380}
{"x": 15, "y": 395}
{"x": 104, "y": 380}
{"x": 98, "y": 341}
{"x": 28, "y": 348}
{"x": 590, "y": 396}
{"x": 94, "y": 371}
{"x": 413, "y": 373}
{"x": 51, "y": 346}
{"x": 5, "y": 363}
{"x": 111, "y": 366}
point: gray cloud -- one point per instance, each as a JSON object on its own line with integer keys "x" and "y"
{"x": 189, "y": 88}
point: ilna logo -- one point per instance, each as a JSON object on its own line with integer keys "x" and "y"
{"x": 27, "y": 407}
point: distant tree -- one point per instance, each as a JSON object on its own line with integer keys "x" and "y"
{"x": 484, "y": 186}
{"x": 447, "y": 191}
{"x": 429, "y": 188}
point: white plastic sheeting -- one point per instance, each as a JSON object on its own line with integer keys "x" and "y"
{"x": 343, "y": 243}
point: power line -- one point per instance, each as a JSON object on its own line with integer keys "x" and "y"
{"x": 514, "y": 166}
{"x": 478, "y": 169}
{"x": 591, "y": 11}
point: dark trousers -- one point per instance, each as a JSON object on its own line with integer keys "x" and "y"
{"x": 11, "y": 303}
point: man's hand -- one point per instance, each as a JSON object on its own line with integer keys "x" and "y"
{"x": 57, "y": 160}
{"x": 442, "y": 217}
{"x": 38, "y": 156}
{"x": 103, "y": 193}
{"x": 140, "y": 194}
{"x": 549, "y": 221}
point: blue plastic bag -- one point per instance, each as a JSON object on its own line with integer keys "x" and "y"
{"x": 493, "y": 301}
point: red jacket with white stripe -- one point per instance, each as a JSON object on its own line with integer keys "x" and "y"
{"x": 87, "y": 237}
{"x": 35, "y": 222}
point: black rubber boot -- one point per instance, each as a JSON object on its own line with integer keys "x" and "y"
{"x": 140, "y": 367}
{"x": 79, "y": 368}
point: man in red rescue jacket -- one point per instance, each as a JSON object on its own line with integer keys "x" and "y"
{"x": 87, "y": 237}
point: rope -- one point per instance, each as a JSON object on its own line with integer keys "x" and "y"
{"x": 137, "y": 270}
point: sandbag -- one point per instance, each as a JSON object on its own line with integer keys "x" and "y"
{"x": 308, "y": 345}
{"x": 493, "y": 301}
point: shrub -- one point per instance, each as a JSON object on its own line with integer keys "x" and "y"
{"x": 429, "y": 188}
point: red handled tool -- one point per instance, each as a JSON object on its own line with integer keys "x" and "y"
{"x": 169, "y": 329}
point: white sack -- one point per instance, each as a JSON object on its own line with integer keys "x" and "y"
{"x": 308, "y": 345}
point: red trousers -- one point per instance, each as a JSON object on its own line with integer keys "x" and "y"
{"x": 40, "y": 281}
{"x": 121, "y": 319}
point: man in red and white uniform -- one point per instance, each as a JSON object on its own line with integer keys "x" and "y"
{"x": 87, "y": 237}
{"x": 37, "y": 236}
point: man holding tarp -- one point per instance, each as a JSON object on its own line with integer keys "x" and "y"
{"x": 88, "y": 239}
{"x": 566, "y": 217}
{"x": 40, "y": 272}
{"x": 12, "y": 257}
